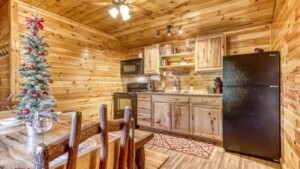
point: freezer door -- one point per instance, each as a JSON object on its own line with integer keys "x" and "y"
{"x": 251, "y": 121}
{"x": 252, "y": 70}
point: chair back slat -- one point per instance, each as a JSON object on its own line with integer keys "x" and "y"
{"x": 131, "y": 147}
{"x": 103, "y": 137}
{"x": 74, "y": 140}
{"x": 124, "y": 139}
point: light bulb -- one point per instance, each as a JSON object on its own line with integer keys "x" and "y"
{"x": 126, "y": 17}
{"x": 169, "y": 32}
{"x": 180, "y": 31}
{"x": 124, "y": 9}
{"x": 114, "y": 12}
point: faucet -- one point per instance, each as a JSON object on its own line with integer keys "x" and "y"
{"x": 177, "y": 84}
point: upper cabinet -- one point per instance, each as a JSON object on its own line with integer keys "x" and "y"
{"x": 151, "y": 59}
{"x": 209, "y": 51}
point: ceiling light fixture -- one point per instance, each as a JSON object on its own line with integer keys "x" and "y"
{"x": 169, "y": 27}
{"x": 120, "y": 7}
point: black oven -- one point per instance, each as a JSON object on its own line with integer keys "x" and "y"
{"x": 132, "y": 67}
{"x": 121, "y": 100}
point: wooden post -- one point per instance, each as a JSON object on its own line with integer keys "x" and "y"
{"x": 103, "y": 137}
{"x": 74, "y": 140}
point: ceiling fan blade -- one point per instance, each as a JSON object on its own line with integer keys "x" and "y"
{"x": 140, "y": 10}
{"x": 97, "y": 3}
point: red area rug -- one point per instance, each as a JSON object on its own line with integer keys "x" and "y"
{"x": 185, "y": 145}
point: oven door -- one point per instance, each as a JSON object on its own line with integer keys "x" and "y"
{"x": 132, "y": 67}
{"x": 121, "y": 100}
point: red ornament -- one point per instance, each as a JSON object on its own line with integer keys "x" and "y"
{"x": 43, "y": 54}
{"x": 36, "y": 95}
{"x": 24, "y": 91}
{"x": 50, "y": 81}
{"x": 52, "y": 111}
{"x": 45, "y": 93}
{"x": 26, "y": 111}
{"x": 29, "y": 49}
{"x": 33, "y": 34}
{"x": 32, "y": 67}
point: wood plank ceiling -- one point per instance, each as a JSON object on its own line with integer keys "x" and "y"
{"x": 198, "y": 17}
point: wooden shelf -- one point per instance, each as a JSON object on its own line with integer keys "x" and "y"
{"x": 178, "y": 66}
{"x": 187, "y": 54}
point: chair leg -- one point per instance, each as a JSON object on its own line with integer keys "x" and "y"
{"x": 41, "y": 157}
{"x": 125, "y": 139}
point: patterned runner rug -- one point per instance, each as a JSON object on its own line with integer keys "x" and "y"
{"x": 185, "y": 145}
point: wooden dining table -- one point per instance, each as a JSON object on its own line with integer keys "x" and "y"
{"x": 17, "y": 149}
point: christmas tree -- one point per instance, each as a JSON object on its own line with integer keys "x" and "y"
{"x": 35, "y": 76}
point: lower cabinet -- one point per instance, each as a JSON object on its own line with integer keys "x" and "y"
{"x": 180, "y": 118}
{"x": 206, "y": 121}
{"x": 161, "y": 115}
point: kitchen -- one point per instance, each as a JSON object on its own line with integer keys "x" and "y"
{"x": 220, "y": 74}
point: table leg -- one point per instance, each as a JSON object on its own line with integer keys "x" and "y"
{"x": 140, "y": 158}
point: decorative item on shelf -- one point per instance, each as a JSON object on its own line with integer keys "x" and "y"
{"x": 219, "y": 84}
{"x": 165, "y": 62}
{"x": 35, "y": 103}
{"x": 166, "y": 49}
{"x": 187, "y": 47}
{"x": 174, "y": 50}
{"x": 141, "y": 53}
{"x": 120, "y": 6}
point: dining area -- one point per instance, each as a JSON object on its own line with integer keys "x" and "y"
{"x": 74, "y": 143}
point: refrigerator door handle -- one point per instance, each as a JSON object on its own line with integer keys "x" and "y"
{"x": 273, "y": 86}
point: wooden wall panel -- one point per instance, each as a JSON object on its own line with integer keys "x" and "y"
{"x": 246, "y": 40}
{"x": 4, "y": 45}
{"x": 286, "y": 38}
{"x": 85, "y": 63}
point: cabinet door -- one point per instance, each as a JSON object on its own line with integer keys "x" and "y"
{"x": 161, "y": 113}
{"x": 180, "y": 118}
{"x": 151, "y": 60}
{"x": 206, "y": 121}
{"x": 209, "y": 53}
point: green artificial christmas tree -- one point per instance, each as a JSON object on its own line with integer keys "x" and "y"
{"x": 35, "y": 76}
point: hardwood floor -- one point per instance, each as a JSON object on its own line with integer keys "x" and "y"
{"x": 219, "y": 159}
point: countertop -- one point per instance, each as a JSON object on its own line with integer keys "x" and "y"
{"x": 181, "y": 94}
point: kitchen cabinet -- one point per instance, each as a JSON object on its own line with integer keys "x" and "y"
{"x": 206, "y": 117}
{"x": 144, "y": 115}
{"x": 180, "y": 118}
{"x": 209, "y": 51}
{"x": 206, "y": 121}
{"x": 161, "y": 115}
{"x": 151, "y": 59}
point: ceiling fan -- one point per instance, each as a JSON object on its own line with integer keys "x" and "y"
{"x": 122, "y": 6}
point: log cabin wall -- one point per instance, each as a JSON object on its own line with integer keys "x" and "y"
{"x": 85, "y": 62}
{"x": 286, "y": 38}
{"x": 4, "y": 51}
{"x": 237, "y": 42}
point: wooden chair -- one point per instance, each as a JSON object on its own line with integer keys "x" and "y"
{"x": 44, "y": 153}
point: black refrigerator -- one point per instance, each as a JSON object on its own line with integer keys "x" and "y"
{"x": 251, "y": 104}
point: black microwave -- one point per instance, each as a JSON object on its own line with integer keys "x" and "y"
{"x": 132, "y": 67}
